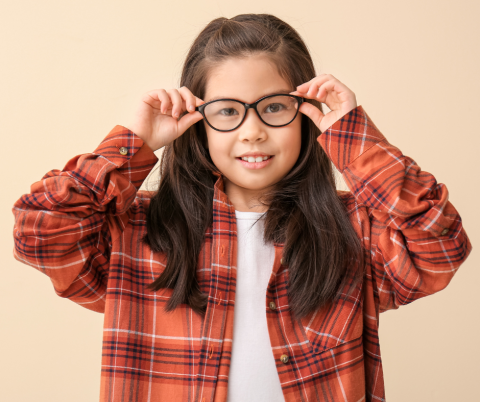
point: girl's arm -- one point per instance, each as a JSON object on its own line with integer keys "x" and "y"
{"x": 415, "y": 235}
{"x": 65, "y": 226}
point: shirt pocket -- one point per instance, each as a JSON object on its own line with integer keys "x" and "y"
{"x": 336, "y": 323}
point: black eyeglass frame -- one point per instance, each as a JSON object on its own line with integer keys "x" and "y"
{"x": 253, "y": 105}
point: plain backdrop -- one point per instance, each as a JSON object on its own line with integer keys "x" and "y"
{"x": 72, "y": 70}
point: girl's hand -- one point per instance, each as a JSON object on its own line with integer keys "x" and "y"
{"x": 326, "y": 89}
{"x": 156, "y": 118}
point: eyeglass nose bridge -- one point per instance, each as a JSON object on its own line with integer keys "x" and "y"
{"x": 251, "y": 105}
{"x": 254, "y": 107}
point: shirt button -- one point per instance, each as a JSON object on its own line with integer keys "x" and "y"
{"x": 444, "y": 232}
{"x": 281, "y": 260}
{"x": 123, "y": 151}
{"x": 272, "y": 305}
{"x": 284, "y": 358}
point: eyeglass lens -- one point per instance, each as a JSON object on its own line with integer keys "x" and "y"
{"x": 226, "y": 115}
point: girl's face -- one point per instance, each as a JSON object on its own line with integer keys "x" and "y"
{"x": 247, "y": 80}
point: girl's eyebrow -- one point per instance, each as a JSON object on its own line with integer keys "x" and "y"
{"x": 278, "y": 91}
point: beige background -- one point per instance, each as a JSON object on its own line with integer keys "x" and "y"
{"x": 72, "y": 70}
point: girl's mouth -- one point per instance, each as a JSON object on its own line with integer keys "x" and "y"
{"x": 251, "y": 162}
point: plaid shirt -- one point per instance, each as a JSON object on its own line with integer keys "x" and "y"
{"x": 82, "y": 227}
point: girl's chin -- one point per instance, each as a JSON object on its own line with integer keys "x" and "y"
{"x": 243, "y": 184}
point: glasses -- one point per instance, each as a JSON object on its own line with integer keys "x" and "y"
{"x": 228, "y": 114}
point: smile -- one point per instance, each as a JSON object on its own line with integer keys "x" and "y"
{"x": 258, "y": 162}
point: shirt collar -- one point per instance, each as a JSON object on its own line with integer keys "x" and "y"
{"x": 219, "y": 190}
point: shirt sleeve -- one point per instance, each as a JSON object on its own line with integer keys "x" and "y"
{"x": 414, "y": 236}
{"x": 65, "y": 226}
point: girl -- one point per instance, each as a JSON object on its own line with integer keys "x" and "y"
{"x": 200, "y": 303}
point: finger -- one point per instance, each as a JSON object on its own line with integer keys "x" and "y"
{"x": 177, "y": 102}
{"x": 312, "y": 112}
{"x": 166, "y": 102}
{"x": 303, "y": 88}
{"x": 188, "y": 120}
{"x": 161, "y": 96}
{"x": 315, "y": 87}
{"x": 320, "y": 92}
{"x": 189, "y": 99}
{"x": 324, "y": 89}
{"x": 311, "y": 88}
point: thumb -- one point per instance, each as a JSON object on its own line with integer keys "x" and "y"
{"x": 188, "y": 120}
{"x": 313, "y": 112}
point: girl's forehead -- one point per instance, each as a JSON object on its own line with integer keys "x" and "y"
{"x": 276, "y": 91}
{"x": 246, "y": 79}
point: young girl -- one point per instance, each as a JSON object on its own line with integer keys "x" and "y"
{"x": 247, "y": 276}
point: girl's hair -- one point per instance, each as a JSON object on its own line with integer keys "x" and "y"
{"x": 304, "y": 210}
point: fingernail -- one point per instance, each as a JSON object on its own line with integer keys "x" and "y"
{"x": 191, "y": 108}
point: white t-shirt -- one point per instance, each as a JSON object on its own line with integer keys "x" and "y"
{"x": 253, "y": 376}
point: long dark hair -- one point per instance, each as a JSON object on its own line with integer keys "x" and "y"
{"x": 305, "y": 212}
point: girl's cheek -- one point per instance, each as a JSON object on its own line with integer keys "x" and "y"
{"x": 220, "y": 155}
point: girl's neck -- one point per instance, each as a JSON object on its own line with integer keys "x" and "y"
{"x": 244, "y": 199}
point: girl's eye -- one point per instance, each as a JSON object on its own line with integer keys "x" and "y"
{"x": 274, "y": 108}
{"x": 228, "y": 111}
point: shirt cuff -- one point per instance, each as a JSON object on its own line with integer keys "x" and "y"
{"x": 122, "y": 145}
{"x": 349, "y": 137}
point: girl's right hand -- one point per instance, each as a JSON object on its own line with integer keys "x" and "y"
{"x": 156, "y": 118}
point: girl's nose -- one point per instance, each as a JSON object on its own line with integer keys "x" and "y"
{"x": 252, "y": 129}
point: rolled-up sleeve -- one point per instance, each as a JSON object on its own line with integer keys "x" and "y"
{"x": 414, "y": 235}
{"x": 65, "y": 226}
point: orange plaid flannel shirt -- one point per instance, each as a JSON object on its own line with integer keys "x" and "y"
{"x": 82, "y": 227}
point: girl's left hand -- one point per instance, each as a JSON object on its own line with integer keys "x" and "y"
{"x": 326, "y": 89}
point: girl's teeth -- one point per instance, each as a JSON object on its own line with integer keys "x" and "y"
{"x": 252, "y": 159}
